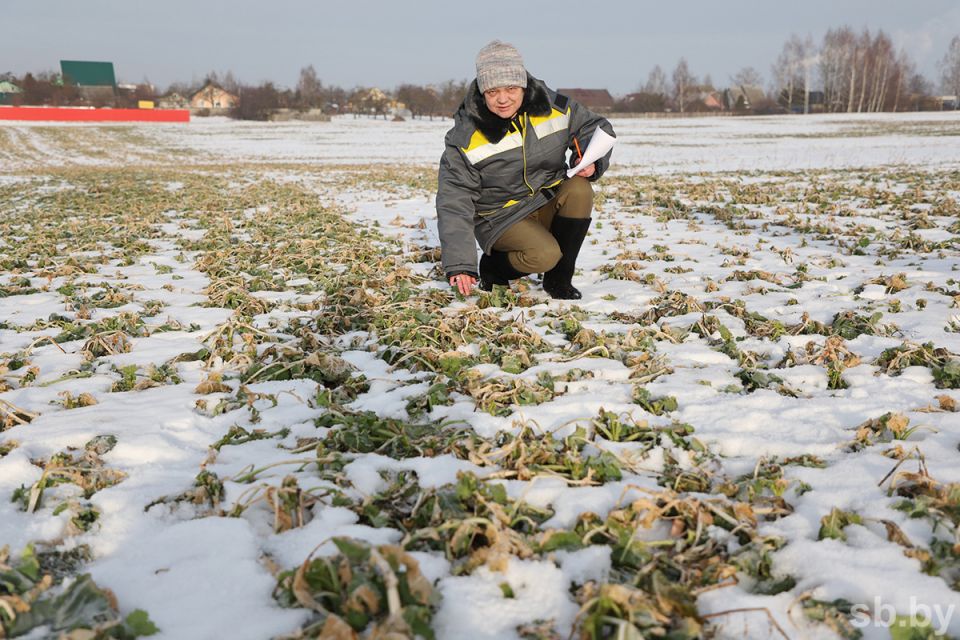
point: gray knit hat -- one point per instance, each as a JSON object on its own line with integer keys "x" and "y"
{"x": 499, "y": 65}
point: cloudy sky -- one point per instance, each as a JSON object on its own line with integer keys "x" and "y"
{"x": 611, "y": 44}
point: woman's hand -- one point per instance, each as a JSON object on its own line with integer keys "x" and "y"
{"x": 587, "y": 172}
{"x": 464, "y": 282}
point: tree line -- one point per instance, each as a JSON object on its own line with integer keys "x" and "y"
{"x": 256, "y": 102}
{"x": 845, "y": 72}
{"x": 859, "y": 72}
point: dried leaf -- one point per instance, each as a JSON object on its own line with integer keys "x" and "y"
{"x": 335, "y": 628}
{"x": 947, "y": 403}
{"x": 363, "y": 599}
{"x": 896, "y": 534}
{"x": 302, "y": 591}
{"x": 213, "y": 384}
{"x": 897, "y": 423}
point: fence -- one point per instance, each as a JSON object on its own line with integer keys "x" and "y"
{"x": 81, "y": 114}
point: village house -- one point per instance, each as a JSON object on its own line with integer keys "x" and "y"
{"x": 743, "y": 97}
{"x": 712, "y": 100}
{"x": 173, "y": 101}
{"x": 96, "y": 82}
{"x": 213, "y": 97}
{"x": 7, "y": 92}
{"x": 598, "y": 100}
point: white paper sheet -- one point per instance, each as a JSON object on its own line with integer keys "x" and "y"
{"x": 600, "y": 143}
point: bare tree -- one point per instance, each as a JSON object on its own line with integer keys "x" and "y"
{"x": 650, "y": 97}
{"x": 950, "y": 71}
{"x": 181, "y": 88}
{"x": 920, "y": 90}
{"x": 792, "y": 71}
{"x": 855, "y": 53}
{"x": 656, "y": 82}
{"x": 334, "y": 99}
{"x": 683, "y": 84}
{"x": 884, "y": 61}
{"x": 212, "y": 77}
{"x": 875, "y": 62}
{"x": 258, "y": 102}
{"x": 747, "y": 76}
{"x": 784, "y": 75}
{"x": 309, "y": 87}
{"x": 145, "y": 91}
{"x": 838, "y": 68}
{"x": 901, "y": 75}
{"x": 858, "y": 71}
{"x": 421, "y": 101}
{"x": 807, "y": 56}
{"x": 451, "y": 94}
{"x": 230, "y": 83}
{"x": 872, "y": 71}
{"x": 45, "y": 88}
{"x": 864, "y": 71}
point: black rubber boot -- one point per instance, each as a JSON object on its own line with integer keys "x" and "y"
{"x": 569, "y": 233}
{"x": 496, "y": 269}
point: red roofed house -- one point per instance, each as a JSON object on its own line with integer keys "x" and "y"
{"x": 598, "y": 100}
{"x": 713, "y": 101}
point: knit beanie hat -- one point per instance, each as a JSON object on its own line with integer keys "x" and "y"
{"x": 499, "y": 65}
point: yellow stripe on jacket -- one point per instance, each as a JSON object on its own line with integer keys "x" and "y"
{"x": 480, "y": 148}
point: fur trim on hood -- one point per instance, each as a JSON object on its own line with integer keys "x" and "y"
{"x": 536, "y": 102}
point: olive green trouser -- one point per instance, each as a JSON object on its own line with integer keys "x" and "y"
{"x": 530, "y": 246}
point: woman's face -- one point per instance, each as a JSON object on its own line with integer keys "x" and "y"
{"x": 505, "y": 101}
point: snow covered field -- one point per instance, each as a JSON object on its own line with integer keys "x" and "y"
{"x": 235, "y": 392}
{"x": 649, "y": 145}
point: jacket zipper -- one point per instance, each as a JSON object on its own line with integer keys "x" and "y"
{"x": 523, "y": 147}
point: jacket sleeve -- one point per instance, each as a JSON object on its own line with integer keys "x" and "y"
{"x": 457, "y": 194}
{"x": 583, "y": 123}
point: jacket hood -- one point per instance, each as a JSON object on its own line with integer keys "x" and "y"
{"x": 536, "y": 102}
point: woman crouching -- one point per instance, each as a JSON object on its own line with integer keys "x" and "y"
{"x": 503, "y": 180}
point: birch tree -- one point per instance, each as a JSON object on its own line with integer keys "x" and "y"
{"x": 861, "y": 73}
{"x": 683, "y": 83}
{"x": 785, "y": 72}
{"x": 838, "y": 57}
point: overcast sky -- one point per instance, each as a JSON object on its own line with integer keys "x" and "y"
{"x": 588, "y": 43}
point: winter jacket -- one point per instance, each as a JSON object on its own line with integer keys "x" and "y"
{"x": 496, "y": 172}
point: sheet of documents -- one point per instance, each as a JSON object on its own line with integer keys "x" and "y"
{"x": 600, "y": 143}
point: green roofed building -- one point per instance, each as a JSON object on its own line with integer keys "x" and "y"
{"x": 88, "y": 74}
{"x": 7, "y": 91}
{"x": 95, "y": 81}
